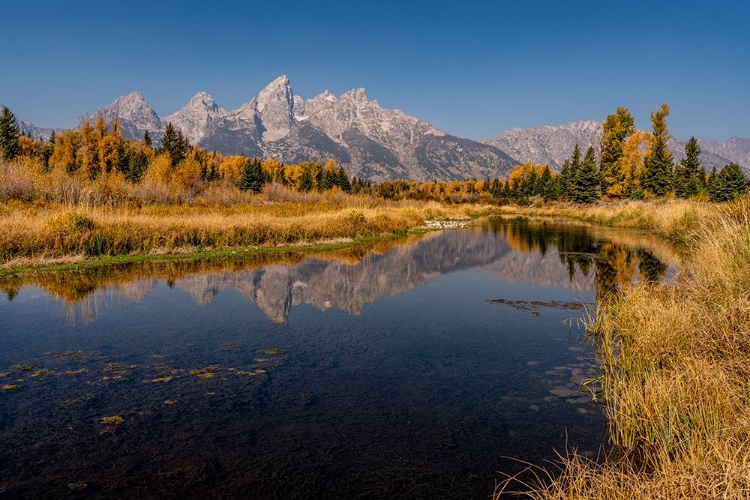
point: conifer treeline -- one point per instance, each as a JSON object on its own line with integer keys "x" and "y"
{"x": 632, "y": 164}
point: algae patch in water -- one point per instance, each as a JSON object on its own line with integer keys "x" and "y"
{"x": 113, "y": 420}
{"x": 271, "y": 352}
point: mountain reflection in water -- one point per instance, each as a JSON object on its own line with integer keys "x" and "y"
{"x": 517, "y": 250}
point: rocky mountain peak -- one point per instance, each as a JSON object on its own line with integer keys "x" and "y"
{"x": 275, "y": 107}
{"x": 132, "y": 104}
{"x": 318, "y": 102}
{"x": 135, "y": 114}
{"x": 195, "y": 117}
{"x": 358, "y": 95}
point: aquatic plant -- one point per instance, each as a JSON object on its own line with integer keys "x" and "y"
{"x": 271, "y": 352}
{"x": 112, "y": 420}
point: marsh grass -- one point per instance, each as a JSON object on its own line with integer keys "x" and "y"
{"x": 676, "y": 378}
{"x": 40, "y": 232}
{"x": 672, "y": 219}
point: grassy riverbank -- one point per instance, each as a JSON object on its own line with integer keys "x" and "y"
{"x": 52, "y": 234}
{"x": 676, "y": 376}
{"x": 672, "y": 219}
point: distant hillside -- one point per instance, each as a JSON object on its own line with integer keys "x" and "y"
{"x": 553, "y": 144}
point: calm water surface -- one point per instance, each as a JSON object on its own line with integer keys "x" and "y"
{"x": 408, "y": 372}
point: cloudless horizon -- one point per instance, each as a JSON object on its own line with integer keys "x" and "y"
{"x": 472, "y": 69}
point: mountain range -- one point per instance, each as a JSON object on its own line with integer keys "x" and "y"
{"x": 371, "y": 142}
{"x": 553, "y": 144}
{"x": 368, "y": 140}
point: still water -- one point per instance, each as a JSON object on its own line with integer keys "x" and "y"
{"x": 424, "y": 369}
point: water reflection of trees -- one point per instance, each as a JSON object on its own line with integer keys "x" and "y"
{"x": 516, "y": 251}
{"x": 614, "y": 264}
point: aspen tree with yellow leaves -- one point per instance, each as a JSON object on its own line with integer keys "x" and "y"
{"x": 615, "y": 131}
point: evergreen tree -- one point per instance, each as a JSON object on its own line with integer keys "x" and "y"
{"x": 9, "y": 134}
{"x": 712, "y": 185}
{"x": 251, "y": 176}
{"x": 689, "y": 178}
{"x": 213, "y": 174}
{"x": 136, "y": 167}
{"x": 175, "y": 144}
{"x": 658, "y": 171}
{"x": 305, "y": 181}
{"x": 587, "y": 180}
{"x": 147, "y": 139}
{"x": 730, "y": 183}
{"x": 544, "y": 180}
{"x": 616, "y": 128}
{"x": 342, "y": 181}
{"x": 326, "y": 180}
{"x": 568, "y": 172}
{"x": 552, "y": 189}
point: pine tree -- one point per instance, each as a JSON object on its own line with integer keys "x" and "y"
{"x": 712, "y": 185}
{"x": 305, "y": 182}
{"x": 147, "y": 139}
{"x": 587, "y": 180}
{"x": 689, "y": 178}
{"x": 616, "y": 128}
{"x": 658, "y": 171}
{"x": 730, "y": 183}
{"x": 568, "y": 172}
{"x": 174, "y": 143}
{"x": 136, "y": 167}
{"x": 342, "y": 180}
{"x": 9, "y": 134}
{"x": 251, "y": 176}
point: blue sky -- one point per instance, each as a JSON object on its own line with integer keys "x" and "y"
{"x": 472, "y": 68}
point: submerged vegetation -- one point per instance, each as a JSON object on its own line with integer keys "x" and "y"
{"x": 675, "y": 360}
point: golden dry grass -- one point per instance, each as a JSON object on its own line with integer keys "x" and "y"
{"x": 676, "y": 381}
{"x": 38, "y": 233}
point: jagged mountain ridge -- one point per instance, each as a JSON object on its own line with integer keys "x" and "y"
{"x": 736, "y": 149}
{"x": 369, "y": 141}
{"x": 553, "y": 144}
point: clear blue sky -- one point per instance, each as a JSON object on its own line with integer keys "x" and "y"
{"x": 472, "y": 68}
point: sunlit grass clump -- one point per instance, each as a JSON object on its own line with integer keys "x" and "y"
{"x": 676, "y": 381}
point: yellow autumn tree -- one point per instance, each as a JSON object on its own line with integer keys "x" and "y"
{"x": 159, "y": 170}
{"x": 524, "y": 171}
{"x": 631, "y": 163}
{"x": 231, "y": 167}
{"x": 187, "y": 176}
{"x": 28, "y": 147}
{"x": 274, "y": 169}
{"x": 65, "y": 152}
